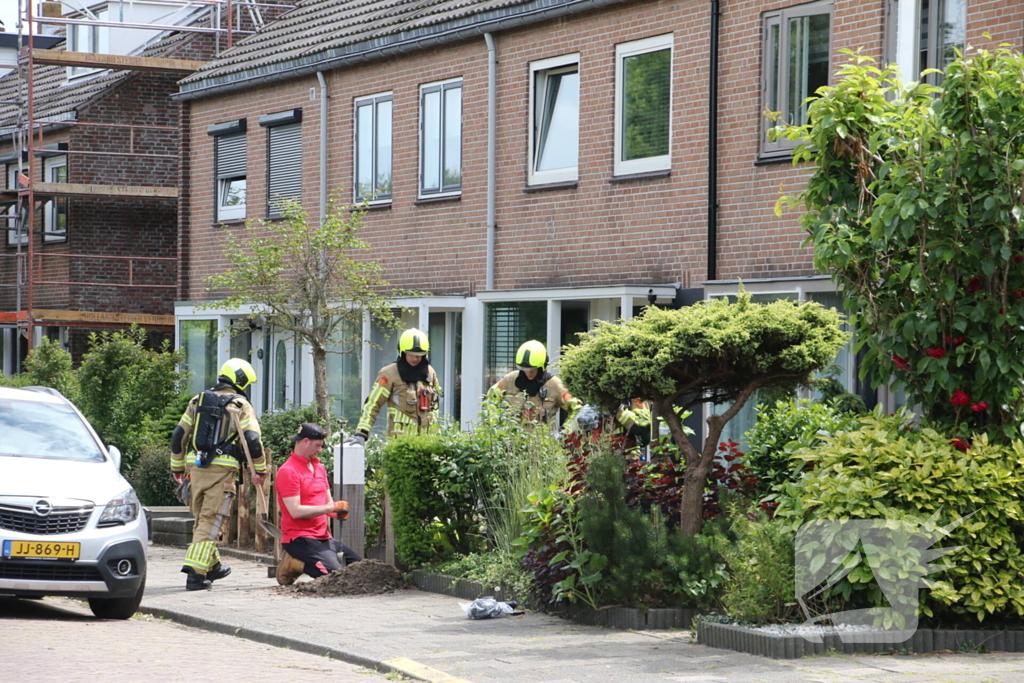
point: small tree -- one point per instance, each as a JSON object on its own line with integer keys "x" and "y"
{"x": 915, "y": 208}
{"x": 50, "y": 366}
{"x": 713, "y": 352}
{"x": 301, "y": 276}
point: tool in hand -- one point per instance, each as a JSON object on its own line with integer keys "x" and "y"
{"x": 261, "y": 501}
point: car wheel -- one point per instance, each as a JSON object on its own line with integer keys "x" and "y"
{"x": 117, "y": 608}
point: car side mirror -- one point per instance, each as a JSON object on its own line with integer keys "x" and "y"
{"x": 115, "y": 455}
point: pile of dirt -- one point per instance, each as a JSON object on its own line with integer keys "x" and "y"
{"x": 369, "y": 577}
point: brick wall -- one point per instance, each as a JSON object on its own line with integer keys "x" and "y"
{"x": 596, "y": 233}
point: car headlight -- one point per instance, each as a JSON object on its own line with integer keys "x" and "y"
{"x": 122, "y": 509}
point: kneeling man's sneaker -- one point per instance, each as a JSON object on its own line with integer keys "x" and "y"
{"x": 289, "y": 569}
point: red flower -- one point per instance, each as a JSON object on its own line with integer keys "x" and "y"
{"x": 960, "y": 444}
{"x": 973, "y": 285}
{"x": 1019, "y": 293}
{"x": 1017, "y": 258}
{"x": 979, "y": 406}
{"x": 957, "y": 341}
{"x": 901, "y": 363}
{"x": 936, "y": 353}
{"x": 960, "y": 398}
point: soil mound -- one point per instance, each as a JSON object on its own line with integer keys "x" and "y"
{"x": 369, "y": 577}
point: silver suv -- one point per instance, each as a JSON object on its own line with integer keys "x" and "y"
{"x": 70, "y": 524}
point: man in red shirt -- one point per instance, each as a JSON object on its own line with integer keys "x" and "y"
{"x": 304, "y": 494}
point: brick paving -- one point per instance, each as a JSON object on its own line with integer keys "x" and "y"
{"x": 428, "y": 636}
{"x": 58, "y": 640}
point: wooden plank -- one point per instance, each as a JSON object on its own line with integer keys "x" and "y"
{"x": 101, "y": 317}
{"x": 124, "y": 62}
{"x": 84, "y": 190}
{"x": 244, "y": 514}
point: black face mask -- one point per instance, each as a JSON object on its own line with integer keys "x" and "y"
{"x": 531, "y": 386}
{"x": 412, "y": 374}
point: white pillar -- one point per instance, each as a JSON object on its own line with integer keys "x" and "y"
{"x": 626, "y": 304}
{"x": 554, "y": 340}
{"x": 423, "y": 322}
{"x": 472, "y": 360}
{"x": 367, "y": 373}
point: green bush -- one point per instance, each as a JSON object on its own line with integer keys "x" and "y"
{"x": 761, "y": 573}
{"x": 50, "y": 366}
{"x": 892, "y": 469}
{"x": 490, "y": 569}
{"x": 433, "y": 502}
{"x": 374, "y": 493}
{"x": 122, "y": 383}
{"x": 647, "y": 565}
{"x": 23, "y": 379}
{"x": 784, "y": 428}
{"x": 276, "y": 426}
{"x": 151, "y": 473}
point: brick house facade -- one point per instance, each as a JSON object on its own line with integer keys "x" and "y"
{"x": 593, "y": 244}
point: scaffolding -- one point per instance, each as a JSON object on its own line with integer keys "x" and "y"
{"x": 226, "y": 20}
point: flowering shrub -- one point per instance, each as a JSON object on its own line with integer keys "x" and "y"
{"x": 915, "y": 207}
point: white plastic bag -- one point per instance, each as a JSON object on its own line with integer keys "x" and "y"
{"x": 486, "y": 608}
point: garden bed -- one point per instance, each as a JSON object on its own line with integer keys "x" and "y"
{"x": 792, "y": 646}
{"x": 620, "y": 617}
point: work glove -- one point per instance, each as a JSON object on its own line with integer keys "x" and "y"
{"x": 340, "y": 510}
{"x": 359, "y": 439}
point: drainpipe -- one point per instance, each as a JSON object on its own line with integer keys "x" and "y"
{"x": 323, "y": 145}
{"x": 713, "y": 147}
{"x": 492, "y": 115}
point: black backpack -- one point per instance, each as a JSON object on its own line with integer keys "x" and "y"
{"x": 211, "y": 416}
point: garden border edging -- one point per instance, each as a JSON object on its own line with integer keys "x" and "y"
{"x": 924, "y": 640}
{"x": 619, "y": 617}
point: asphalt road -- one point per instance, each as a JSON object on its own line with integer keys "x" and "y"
{"x": 58, "y": 640}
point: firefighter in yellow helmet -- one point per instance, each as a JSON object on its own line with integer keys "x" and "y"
{"x": 409, "y": 387}
{"x": 205, "y": 444}
{"x": 532, "y": 391}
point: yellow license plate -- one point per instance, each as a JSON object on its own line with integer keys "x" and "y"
{"x": 41, "y": 549}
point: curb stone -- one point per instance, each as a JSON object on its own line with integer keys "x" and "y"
{"x": 923, "y": 641}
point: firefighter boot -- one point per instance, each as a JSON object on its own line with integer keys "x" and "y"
{"x": 218, "y": 571}
{"x": 289, "y": 569}
{"x": 197, "y": 582}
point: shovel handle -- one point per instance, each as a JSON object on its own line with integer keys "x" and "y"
{"x": 261, "y": 500}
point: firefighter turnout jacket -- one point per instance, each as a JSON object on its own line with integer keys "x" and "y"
{"x": 182, "y": 452}
{"x": 411, "y": 405}
{"x": 541, "y": 407}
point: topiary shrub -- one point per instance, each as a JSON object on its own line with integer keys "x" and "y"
{"x": 784, "y": 428}
{"x": 50, "y": 366}
{"x": 891, "y": 468}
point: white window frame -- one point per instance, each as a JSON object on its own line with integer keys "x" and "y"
{"x": 11, "y": 177}
{"x": 780, "y": 77}
{"x": 50, "y": 212}
{"x": 226, "y": 212}
{"x": 96, "y": 38}
{"x": 375, "y": 198}
{"x": 537, "y": 70}
{"x": 440, "y": 87}
{"x": 622, "y": 52}
{"x": 904, "y": 37}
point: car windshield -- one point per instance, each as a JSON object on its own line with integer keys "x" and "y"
{"x": 33, "y": 429}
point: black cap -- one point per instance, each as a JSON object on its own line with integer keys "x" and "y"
{"x": 309, "y": 430}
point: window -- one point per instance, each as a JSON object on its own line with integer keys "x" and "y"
{"x": 86, "y": 38}
{"x": 795, "y": 63}
{"x": 373, "y": 149}
{"x": 55, "y": 210}
{"x": 507, "y": 325}
{"x": 554, "y": 127}
{"x": 643, "y": 105}
{"x": 230, "y": 158}
{"x": 198, "y": 339}
{"x": 10, "y": 219}
{"x": 441, "y": 138}
{"x": 284, "y": 160}
{"x": 925, "y": 34}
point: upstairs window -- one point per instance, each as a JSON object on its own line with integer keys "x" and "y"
{"x": 441, "y": 138}
{"x": 230, "y": 159}
{"x": 926, "y": 34}
{"x": 373, "y": 148}
{"x": 795, "y": 63}
{"x": 284, "y": 160}
{"x": 89, "y": 38}
{"x": 11, "y": 211}
{"x": 55, "y": 210}
{"x": 643, "y": 105}
{"x": 554, "y": 126}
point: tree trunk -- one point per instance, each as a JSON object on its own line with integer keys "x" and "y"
{"x": 323, "y": 401}
{"x": 691, "y": 505}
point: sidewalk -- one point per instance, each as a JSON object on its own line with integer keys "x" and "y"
{"x": 427, "y": 636}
